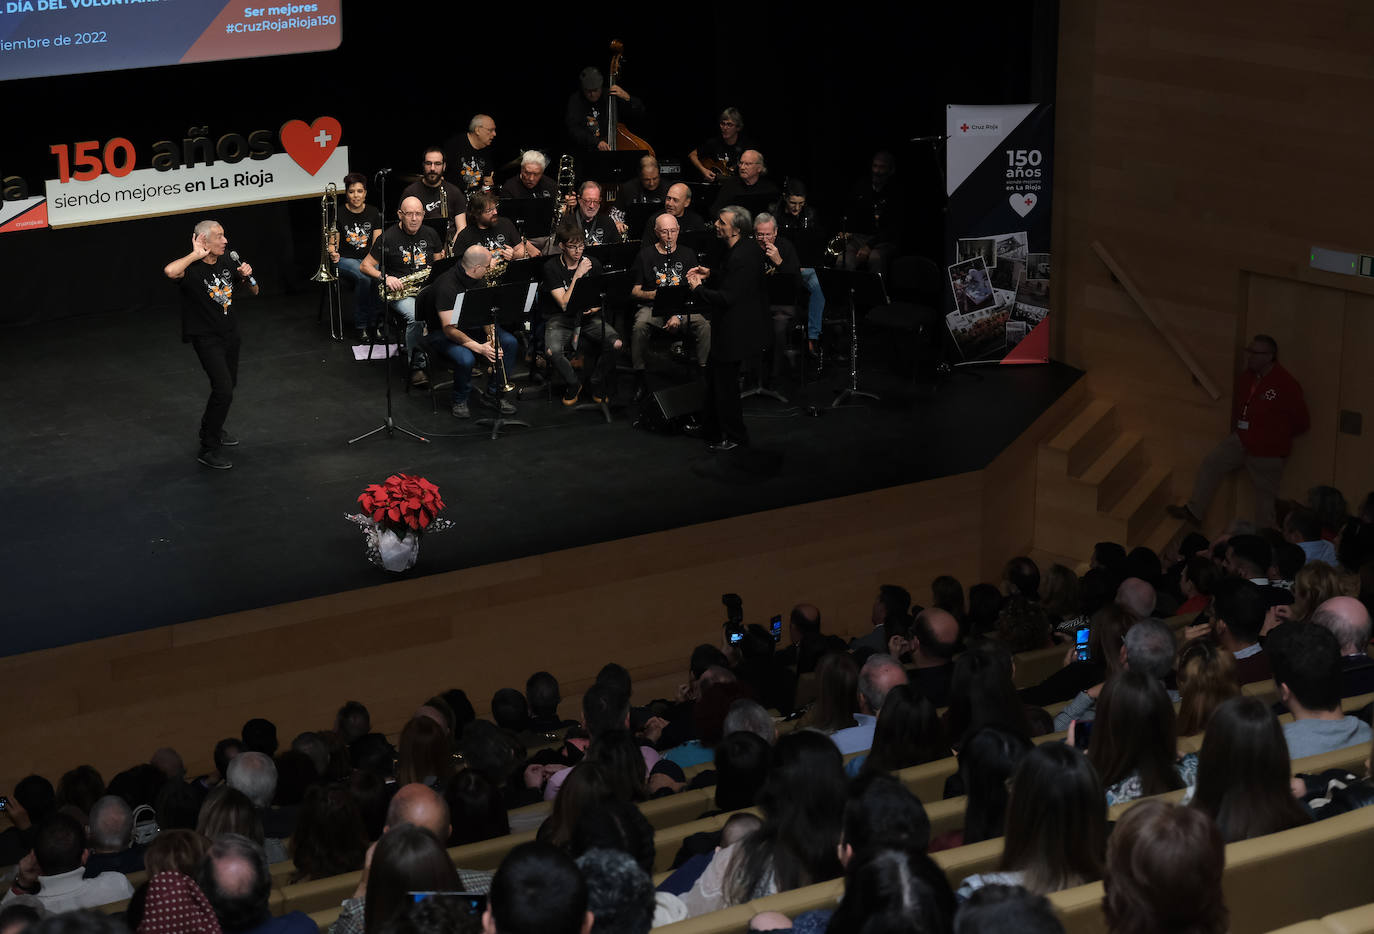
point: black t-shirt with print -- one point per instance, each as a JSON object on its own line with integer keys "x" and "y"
{"x": 433, "y": 202}
{"x": 470, "y": 166}
{"x": 501, "y": 233}
{"x": 405, "y": 252}
{"x": 653, "y": 270}
{"x": 207, "y": 297}
{"x": 355, "y": 231}
{"x": 557, "y": 275}
{"x": 600, "y": 229}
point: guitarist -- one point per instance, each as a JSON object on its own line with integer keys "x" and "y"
{"x": 720, "y": 154}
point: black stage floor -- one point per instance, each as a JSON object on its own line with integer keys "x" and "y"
{"x": 112, "y": 526}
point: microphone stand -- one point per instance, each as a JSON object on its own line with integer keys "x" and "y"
{"x": 388, "y": 420}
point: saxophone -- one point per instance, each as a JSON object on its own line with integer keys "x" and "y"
{"x": 411, "y": 284}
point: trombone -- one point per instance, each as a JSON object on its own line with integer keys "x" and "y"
{"x": 327, "y": 273}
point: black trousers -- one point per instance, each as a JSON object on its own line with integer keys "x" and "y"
{"x": 219, "y": 355}
{"x": 722, "y": 412}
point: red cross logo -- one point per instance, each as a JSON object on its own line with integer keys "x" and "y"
{"x": 964, "y": 128}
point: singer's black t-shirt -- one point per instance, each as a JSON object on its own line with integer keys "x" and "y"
{"x": 501, "y": 233}
{"x": 207, "y": 298}
{"x": 355, "y": 231}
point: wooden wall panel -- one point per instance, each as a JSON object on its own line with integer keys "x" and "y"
{"x": 644, "y": 602}
{"x": 1201, "y": 143}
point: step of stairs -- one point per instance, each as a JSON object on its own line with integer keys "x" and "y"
{"x": 1142, "y": 506}
{"x": 1085, "y": 437}
{"x": 1116, "y": 469}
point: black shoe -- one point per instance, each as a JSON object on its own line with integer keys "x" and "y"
{"x": 227, "y": 440}
{"x": 723, "y": 445}
{"x": 360, "y": 336}
{"x": 213, "y": 458}
{"x": 489, "y": 401}
{"x": 693, "y": 430}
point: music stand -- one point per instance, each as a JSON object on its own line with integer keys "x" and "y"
{"x": 496, "y": 305}
{"x": 782, "y": 290}
{"x": 529, "y": 214}
{"x": 527, "y": 271}
{"x": 852, "y": 286}
{"x": 388, "y": 421}
{"x": 608, "y": 168}
{"x": 592, "y": 291}
{"x": 672, "y": 300}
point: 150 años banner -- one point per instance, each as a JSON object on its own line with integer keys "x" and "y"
{"x": 99, "y": 181}
{"x": 1000, "y": 174}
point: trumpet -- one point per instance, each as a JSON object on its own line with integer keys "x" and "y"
{"x": 329, "y": 233}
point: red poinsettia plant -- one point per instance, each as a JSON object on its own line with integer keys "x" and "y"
{"x": 402, "y": 503}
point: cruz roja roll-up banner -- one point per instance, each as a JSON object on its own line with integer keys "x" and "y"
{"x": 1000, "y": 173}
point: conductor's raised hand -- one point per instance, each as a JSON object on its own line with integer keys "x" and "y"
{"x": 199, "y": 249}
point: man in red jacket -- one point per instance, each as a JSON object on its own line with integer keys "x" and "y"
{"x": 1267, "y": 411}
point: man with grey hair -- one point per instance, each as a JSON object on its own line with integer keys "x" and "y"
{"x": 1348, "y": 620}
{"x": 530, "y": 182}
{"x": 110, "y": 838}
{"x": 472, "y": 153}
{"x": 255, "y": 774}
{"x": 749, "y": 716}
{"x": 208, "y": 323}
{"x": 779, "y": 259}
{"x": 646, "y": 188}
{"x": 1136, "y": 597}
{"x": 737, "y": 325}
{"x": 750, "y": 186}
{"x": 879, "y": 675}
{"x": 1148, "y": 648}
{"x": 620, "y": 894}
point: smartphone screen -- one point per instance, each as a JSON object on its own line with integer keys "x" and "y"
{"x": 775, "y": 627}
{"x": 1080, "y": 644}
{"x": 736, "y": 636}
{"x": 472, "y": 904}
{"x": 1082, "y": 733}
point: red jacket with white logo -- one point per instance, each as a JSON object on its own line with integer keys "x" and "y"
{"x": 1273, "y": 406}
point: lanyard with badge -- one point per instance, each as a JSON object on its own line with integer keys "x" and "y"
{"x": 1243, "y": 423}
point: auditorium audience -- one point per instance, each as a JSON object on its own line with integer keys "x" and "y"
{"x": 1161, "y": 868}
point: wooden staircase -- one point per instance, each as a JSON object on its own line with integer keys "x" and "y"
{"x": 1095, "y": 482}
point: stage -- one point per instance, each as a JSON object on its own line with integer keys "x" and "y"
{"x": 114, "y": 527}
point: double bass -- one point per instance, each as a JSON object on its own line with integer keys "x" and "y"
{"x": 617, "y": 136}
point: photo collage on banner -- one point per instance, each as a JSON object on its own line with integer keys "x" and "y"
{"x": 999, "y": 160}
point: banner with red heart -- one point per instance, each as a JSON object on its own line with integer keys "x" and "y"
{"x": 310, "y": 145}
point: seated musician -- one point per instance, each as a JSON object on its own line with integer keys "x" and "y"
{"x": 750, "y": 187}
{"x": 443, "y": 201}
{"x": 646, "y": 189}
{"x": 677, "y": 202}
{"x": 876, "y": 209}
{"x": 663, "y": 262}
{"x": 563, "y": 270}
{"x": 586, "y": 115}
{"x": 359, "y": 224}
{"x": 486, "y": 228}
{"x": 531, "y": 182}
{"x": 596, "y": 227}
{"x": 459, "y": 341}
{"x": 720, "y": 154}
{"x": 472, "y": 153}
{"x": 779, "y": 259}
{"x": 800, "y": 225}
{"x": 404, "y": 249}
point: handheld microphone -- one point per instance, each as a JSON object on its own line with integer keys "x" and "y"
{"x": 234, "y": 255}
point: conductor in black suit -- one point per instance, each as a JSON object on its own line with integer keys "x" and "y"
{"x": 737, "y": 324}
